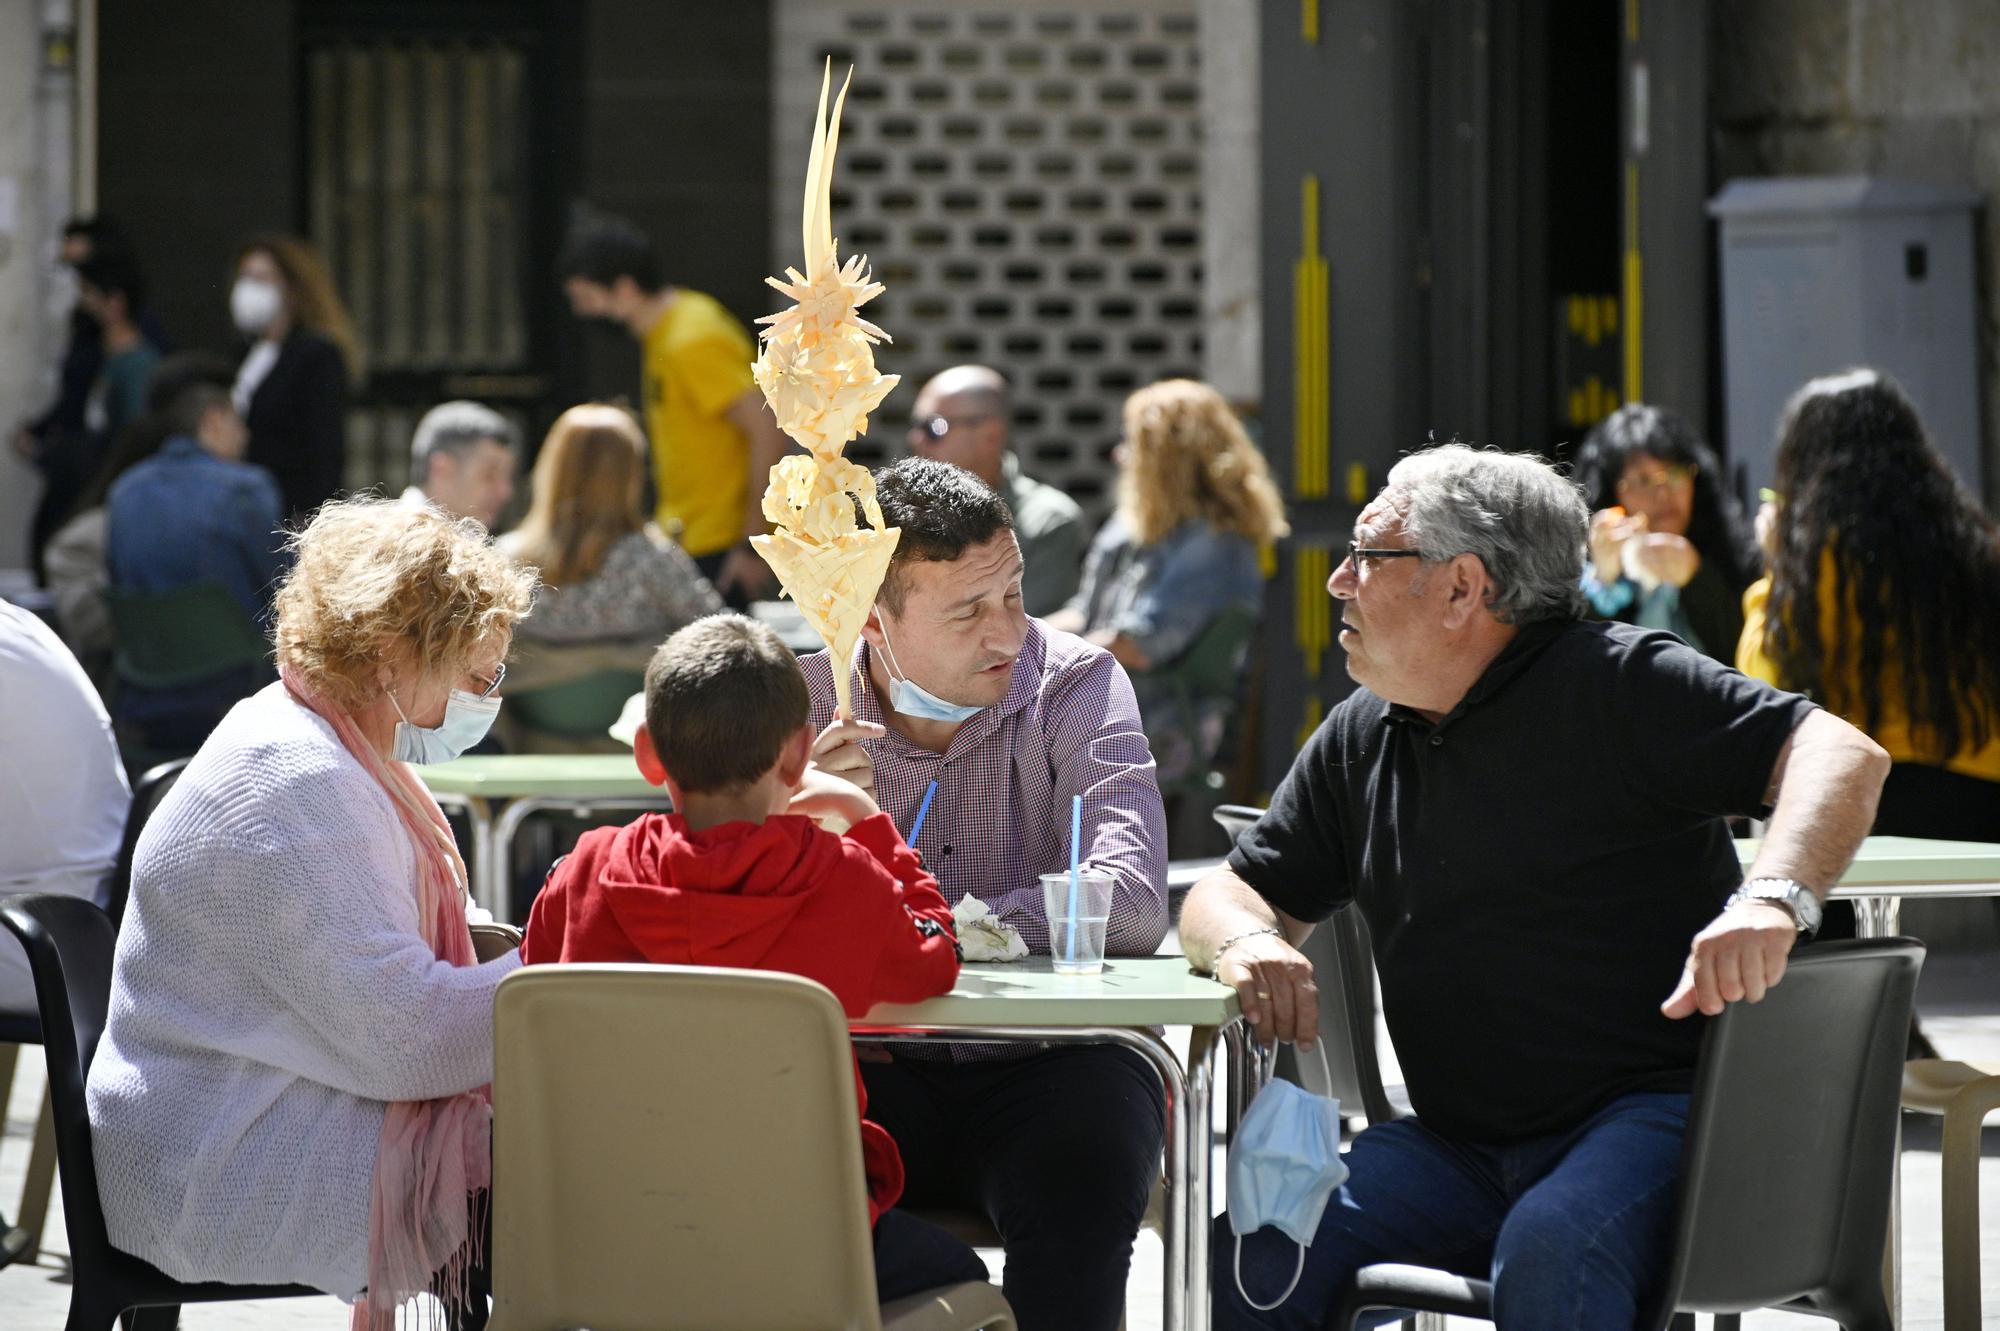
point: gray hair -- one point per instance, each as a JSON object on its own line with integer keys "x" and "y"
{"x": 452, "y": 428}
{"x": 1524, "y": 520}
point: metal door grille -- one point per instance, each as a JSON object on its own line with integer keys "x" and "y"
{"x": 417, "y": 196}
{"x": 1028, "y": 184}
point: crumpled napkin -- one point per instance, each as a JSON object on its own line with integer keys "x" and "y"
{"x": 981, "y": 937}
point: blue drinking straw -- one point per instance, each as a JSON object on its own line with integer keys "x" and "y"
{"x": 1075, "y": 855}
{"x": 922, "y": 809}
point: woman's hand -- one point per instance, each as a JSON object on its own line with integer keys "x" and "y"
{"x": 1767, "y": 530}
{"x": 1667, "y": 559}
{"x": 833, "y": 803}
{"x": 1610, "y": 528}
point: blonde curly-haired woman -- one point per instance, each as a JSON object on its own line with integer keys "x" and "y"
{"x": 1195, "y": 501}
{"x": 293, "y": 1082}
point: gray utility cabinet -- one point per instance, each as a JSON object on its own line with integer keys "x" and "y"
{"x": 1825, "y": 273}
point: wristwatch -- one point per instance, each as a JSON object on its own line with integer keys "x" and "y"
{"x": 1794, "y": 897}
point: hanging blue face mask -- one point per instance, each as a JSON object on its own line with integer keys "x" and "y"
{"x": 467, "y": 718}
{"x": 914, "y": 700}
{"x": 1284, "y": 1166}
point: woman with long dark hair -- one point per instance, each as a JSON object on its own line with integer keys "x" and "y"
{"x": 1667, "y": 544}
{"x": 1883, "y": 600}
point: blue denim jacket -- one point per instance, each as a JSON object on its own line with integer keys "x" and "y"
{"x": 1162, "y": 596}
{"x": 184, "y": 516}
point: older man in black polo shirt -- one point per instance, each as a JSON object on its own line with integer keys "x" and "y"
{"x": 1529, "y": 811}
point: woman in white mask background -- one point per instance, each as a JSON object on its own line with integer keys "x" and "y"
{"x": 292, "y": 1086}
{"x": 291, "y": 388}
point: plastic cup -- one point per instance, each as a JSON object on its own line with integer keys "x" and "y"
{"x": 1077, "y": 942}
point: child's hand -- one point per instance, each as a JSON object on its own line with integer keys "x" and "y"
{"x": 830, "y": 801}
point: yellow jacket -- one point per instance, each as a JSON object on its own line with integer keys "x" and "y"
{"x": 1892, "y": 728}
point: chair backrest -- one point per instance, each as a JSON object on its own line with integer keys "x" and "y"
{"x": 147, "y": 792}
{"x": 1345, "y": 970}
{"x": 69, "y": 943}
{"x": 1212, "y": 666}
{"x": 676, "y": 1148}
{"x": 169, "y": 639}
{"x": 1791, "y": 1140}
{"x": 493, "y": 940}
{"x": 578, "y": 708}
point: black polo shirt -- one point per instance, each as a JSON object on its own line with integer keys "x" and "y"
{"x": 1534, "y": 866}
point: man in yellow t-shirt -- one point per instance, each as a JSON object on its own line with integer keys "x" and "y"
{"x": 713, "y": 439}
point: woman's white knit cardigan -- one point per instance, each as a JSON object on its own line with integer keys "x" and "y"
{"x": 271, "y": 995}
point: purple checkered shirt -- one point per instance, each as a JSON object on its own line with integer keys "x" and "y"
{"x": 1069, "y": 725}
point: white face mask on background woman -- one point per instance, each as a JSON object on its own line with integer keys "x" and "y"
{"x": 255, "y": 304}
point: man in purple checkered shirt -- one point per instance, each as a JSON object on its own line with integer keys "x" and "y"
{"x": 953, "y": 683}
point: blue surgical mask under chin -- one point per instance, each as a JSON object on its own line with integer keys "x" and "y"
{"x": 912, "y": 699}
{"x": 467, "y": 718}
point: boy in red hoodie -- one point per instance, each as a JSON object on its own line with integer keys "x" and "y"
{"x": 768, "y": 864}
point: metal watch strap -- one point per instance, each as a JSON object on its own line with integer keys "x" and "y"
{"x": 1787, "y": 894}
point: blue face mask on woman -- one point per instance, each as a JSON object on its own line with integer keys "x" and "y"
{"x": 1284, "y": 1166}
{"x": 467, "y": 718}
{"x": 912, "y": 699}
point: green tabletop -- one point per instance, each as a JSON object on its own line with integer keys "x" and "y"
{"x": 1132, "y": 991}
{"x": 503, "y": 776}
{"x": 1911, "y": 866}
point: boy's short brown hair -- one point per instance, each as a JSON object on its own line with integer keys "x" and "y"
{"x": 723, "y": 696}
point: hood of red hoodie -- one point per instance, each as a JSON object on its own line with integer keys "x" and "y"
{"x": 720, "y": 897}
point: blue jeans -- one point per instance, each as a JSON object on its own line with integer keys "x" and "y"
{"x": 1574, "y": 1229}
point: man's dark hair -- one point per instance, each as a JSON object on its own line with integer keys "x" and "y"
{"x": 602, "y": 248}
{"x": 723, "y": 696}
{"x": 114, "y": 274}
{"x": 942, "y": 509}
{"x": 142, "y": 438}
{"x": 193, "y": 402}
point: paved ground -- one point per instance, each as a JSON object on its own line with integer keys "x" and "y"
{"x": 1960, "y": 998}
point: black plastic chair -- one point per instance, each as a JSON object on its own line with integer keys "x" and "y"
{"x": 1789, "y": 1159}
{"x": 69, "y": 942}
{"x": 147, "y": 792}
{"x": 22, "y": 1028}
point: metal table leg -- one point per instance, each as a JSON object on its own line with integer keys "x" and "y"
{"x": 500, "y": 836}
{"x": 479, "y": 870}
{"x": 1188, "y": 1103}
{"x": 1880, "y": 917}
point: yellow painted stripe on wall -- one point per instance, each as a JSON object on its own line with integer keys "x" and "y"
{"x": 1311, "y": 391}
{"x": 1634, "y": 325}
{"x": 1312, "y": 608}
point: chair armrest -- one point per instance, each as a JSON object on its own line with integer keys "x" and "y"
{"x": 1390, "y": 1285}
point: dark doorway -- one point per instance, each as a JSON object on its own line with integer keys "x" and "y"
{"x": 430, "y": 177}
{"x": 1583, "y": 211}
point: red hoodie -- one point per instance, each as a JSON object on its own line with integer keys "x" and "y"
{"x": 856, "y": 913}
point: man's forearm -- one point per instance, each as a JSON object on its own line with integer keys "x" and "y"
{"x": 1221, "y": 907}
{"x": 1828, "y": 785}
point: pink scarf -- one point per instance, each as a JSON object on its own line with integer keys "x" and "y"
{"x": 435, "y": 1154}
